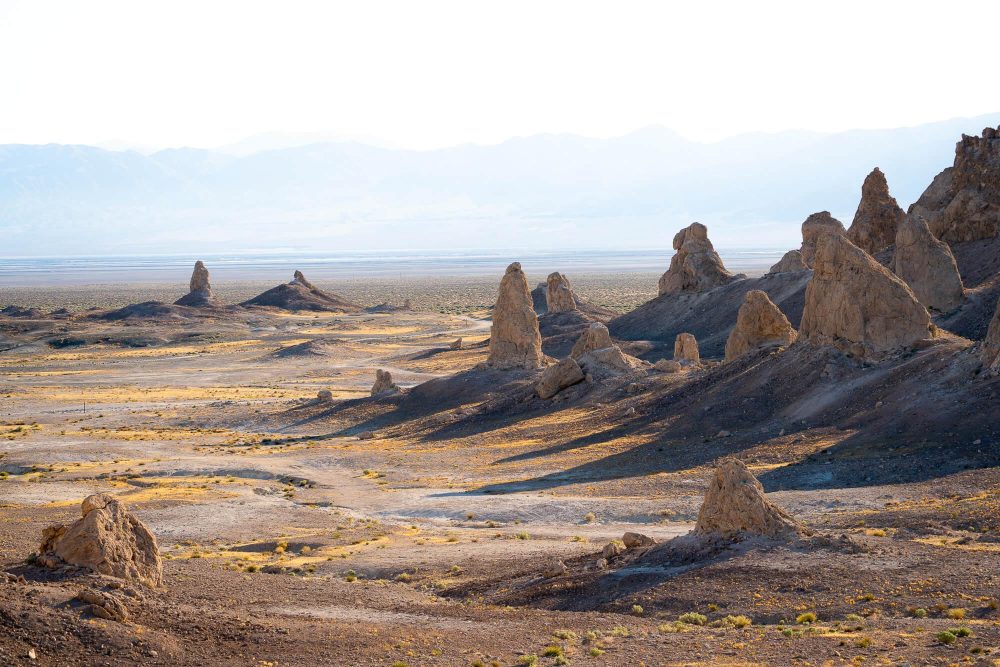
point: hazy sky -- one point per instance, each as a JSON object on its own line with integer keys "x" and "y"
{"x": 428, "y": 74}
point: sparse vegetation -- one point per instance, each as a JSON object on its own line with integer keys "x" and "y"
{"x": 806, "y": 618}
{"x": 693, "y": 618}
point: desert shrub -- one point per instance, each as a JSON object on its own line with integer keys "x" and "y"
{"x": 806, "y": 618}
{"x": 961, "y": 631}
{"x": 946, "y": 637}
{"x": 528, "y": 660}
{"x": 552, "y": 651}
{"x": 564, "y": 634}
{"x": 590, "y": 517}
{"x": 637, "y": 610}
{"x": 956, "y": 613}
{"x": 594, "y": 652}
{"x": 920, "y": 612}
{"x": 737, "y": 621}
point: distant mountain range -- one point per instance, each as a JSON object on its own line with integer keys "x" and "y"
{"x": 534, "y": 192}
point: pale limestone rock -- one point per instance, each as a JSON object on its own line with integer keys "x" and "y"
{"x": 635, "y": 540}
{"x": 559, "y": 297}
{"x": 815, "y": 226}
{"x": 927, "y": 266}
{"x": 735, "y": 505}
{"x": 686, "y": 349}
{"x": 667, "y": 366}
{"x": 594, "y": 337}
{"x": 324, "y": 396}
{"x": 598, "y": 355}
{"x": 455, "y": 344}
{"x": 103, "y": 605}
{"x": 558, "y": 376}
{"x": 515, "y": 341}
{"x": 108, "y": 540}
{"x": 383, "y": 383}
{"x": 200, "y": 293}
{"x": 855, "y": 304}
{"x": 789, "y": 262}
{"x": 760, "y": 323}
{"x": 695, "y": 267}
{"x": 878, "y": 216}
{"x": 299, "y": 279}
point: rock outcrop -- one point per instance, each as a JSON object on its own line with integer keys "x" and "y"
{"x": 735, "y": 506}
{"x": 695, "y": 267}
{"x": 878, "y": 216}
{"x": 815, "y": 226}
{"x": 857, "y": 305}
{"x": 558, "y": 376}
{"x": 300, "y": 294}
{"x": 598, "y": 355}
{"x": 962, "y": 203}
{"x": 686, "y": 349}
{"x": 200, "y": 294}
{"x": 991, "y": 346}
{"x": 759, "y": 324}
{"x": 107, "y": 540}
{"x": 456, "y": 344}
{"x": 594, "y": 337}
{"x": 559, "y": 297}
{"x": 927, "y": 266}
{"x": 789, "y": 262}
{"x": 515, "y": 341}
{"x": 383, "y": 383}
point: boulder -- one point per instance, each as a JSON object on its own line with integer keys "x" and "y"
{"x": 594, "y": 337}
{"x": 455, "y": 344}
{"x": 759, "y": 323}
{"x": 383, "y": 383}
{"x": 815, "y": 226}
{"x": 991, "y": 346}
{"x": 200, "y": 294}
{"x": 695, "y": 267}
{"x": 324, "y": 396}
{"x": 927, "y": 266}
{"x": 558, "y": 376}
{"x": 636, "y": 540}
{"x": 789, "y": 262}
{"x": 559, "y": 297}
{"x": 735, "y": 506}
{"x": 667, "y": 366}
{"x": 107, "y": 540}
{"x": 878, "y": 216}
{"x": 858, "y": 306}
{"x": 962, "y": 203}
{"x": 515, "y": 341}
{"x": 598, "y": 355}
{"x": 556, "y": 568}
{"x": 686, "y": 349}
{"x": 103, "y": 605}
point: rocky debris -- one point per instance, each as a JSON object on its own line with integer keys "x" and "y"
{"x": 858, "y": 306}
{"x": 695, "y": 267}
{"x": 637, "y": 540}
{"x": 108, "y": 540}
{"x": 556, "y": 568}
{"x": 991, "y": 346}
{"x": 455, "y": 344}
{"x": 686, "y": 349}
{"x": 200, "y": 294}
{"x": 515, "y": 341}
{"x": 559, "y": 297}
{"x": 300, "y": 294}
{"x": 789, "y": 262}
{"x": 103, "y": 605}
{"x": 927, "y": 266}
{"x": 962, "y": 203}
{"x": 735, "y": 506}
{"x": 383, "y": 383}
{"x": 759, "y": 324}
{"x": 324, "y": 396}
{"x": 558, "y": 376}
{"x": 612, "y": 550}
{"x": 878, "y": 216}
{"x": 815, "y": 226}
{"x": 667, "y": 366}
{"x": 366, "y": 435}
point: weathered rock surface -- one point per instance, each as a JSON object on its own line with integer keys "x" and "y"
{"x": 790, "y": 261}
{"x": 559, "y": 297}
{"x": 991, "y": 346}
{"x": 383, "y": 383}
{"x": 815, "y": 226}
{"x": 557, "y": 377}
{"x": 695, "y": 267}
{"x": 103, "y": 605}
{"x": 598, "y": 355}
{"x": 515, "y": 341}
{"x": 735, "y": 505}
{"x": 324, "y": 396}
{"x": 200, "y": 294}
{"x": 107, "y": 540}
{"x": 857, "y": 305}
{"x": 300, "y": 294}
{"x": 927, "y": 266}
{"x": 686, "y": 349}
{"x": 455, "y": 344}
{"x": 878, "y": 216}
{"x": 962, "y": 203}
{"x": 668, "y": 366}
{"x": 759, "y": 324}
{"x": 636, "y": 540}
{"x": 594, "y": 337}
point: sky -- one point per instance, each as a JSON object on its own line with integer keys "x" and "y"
{"x": 431, "y": 74}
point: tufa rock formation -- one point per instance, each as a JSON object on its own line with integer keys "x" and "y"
{"x": 686, "y": 349}
{"x": 667, "y": 366}
{"x": 558, "y": 376}
{"x": 855, "y": 304}
{"x": 455, "y": 344}
{"x": 107, "y": 540}
{"x": 598, "y": 355}
{"x": 200, "y": 294}
{"x": 927, "y": 266}
{"x": 383, "y": 383}
{"x": 878, "y": 216}
{"x": 789, "y": 262}
{"x": 815, "y": 226}
{"x": 735, "y": 505}
{"x": 962, "y": 203}
{"x": 991, "y": 346}
{"x": 759, "y": 324}
{"x": 559, "y": 297}
{"x": 696, "y": 267}
{"x": 300, "y": 294}
{"x": 594, "y": 337}
{"x": 515, "y": 341}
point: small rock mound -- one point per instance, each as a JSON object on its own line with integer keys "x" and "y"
{"x": 759, "y": 324}
{"x": 300, "y": 294}
{"x": 815, "y": 226}
{"x": 103, "y": 605}
{"x": 991, "y": 346}
{"x": 324, "y": 396}
{"x": 789, "y": 262}
{"x": 878, "y": 216}
{"x": 696, "y": 267}
{"x": 383, "y": 383}
{"x": 594, "y": 337}
{"x": 108, "y": 540}
{"x": 927, "y": 266}
{"x": 735, "y": 506}
{"x": 856, "y": 305}
{"x": 598, "y": 355}
{"x": 515, "y": 341}
{"x": 558, "y": 376}
{"x": 686, "y": 349}
{"x": 559, "y": 297}
{"x": 455, "y": 344}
